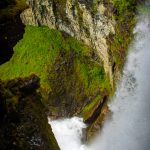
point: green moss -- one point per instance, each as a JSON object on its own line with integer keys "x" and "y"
{"x": 33, "y": 53}
{"x": 90, "y": 72}
{"x": 95, "y": 6}
{"x": 79, "y": 48}
{"x": 68, "y": 72}
{"x": 125, "y": 21}
{"x": 124, "y": 6}
{"x": 76, "y": 78}
{"x": 92, "y": 76}
{"x": 89, "y": 108}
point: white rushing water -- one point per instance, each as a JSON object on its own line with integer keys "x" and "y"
{"x": 68, "y": 133}
{"x": 129, "y": 126}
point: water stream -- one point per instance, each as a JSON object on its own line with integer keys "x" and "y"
{"x": 128, "y": 128}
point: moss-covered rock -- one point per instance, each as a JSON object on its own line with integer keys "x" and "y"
{"x": 76, "y": 79}
{"x": 23, "y": 122}
{"x": 124, "y": 13}
{"x": 76, "y": 75}
{"x": 71, "y": 73}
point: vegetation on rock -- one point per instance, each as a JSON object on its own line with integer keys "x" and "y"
{"x": 32, "y": 54}
{"x": 69, "y": 70}
{"x": 124, "y": 14}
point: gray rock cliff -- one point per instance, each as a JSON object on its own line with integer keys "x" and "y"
{"x": 85, "y": 20}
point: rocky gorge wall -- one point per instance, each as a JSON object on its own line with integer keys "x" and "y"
{"x": 106, "y": 27}
{"x": 84, "y": 20}
{"x": 78, "y": 57}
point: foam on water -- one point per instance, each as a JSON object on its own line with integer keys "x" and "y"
{"x": 68, "y": 133}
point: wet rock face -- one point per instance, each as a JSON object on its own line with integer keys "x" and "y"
{"x": 85, "y": 20}
{"x": 23, "y": 122}
{"x": 68, "y": 94}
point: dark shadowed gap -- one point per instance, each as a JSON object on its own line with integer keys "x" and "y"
{"x": 11, "y": 31}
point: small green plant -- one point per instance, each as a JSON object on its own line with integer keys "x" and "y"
{"x": 94, "y": 6}
{"x": 124, "y": 6}
{"x": 125, "y": 21}
{"x": 89, "y": 108}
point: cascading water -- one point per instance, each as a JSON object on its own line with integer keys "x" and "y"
{"x": 129, "y": 126}
{"x": 68, "y": 133}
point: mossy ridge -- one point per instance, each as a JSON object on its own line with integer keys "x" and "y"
{"x": 75, "y": 79}
{"x": 92, "y": 76}
{"x": 89, "y": 108}
{"x": 46, "y": 53}
{"x": 32, "y": 54}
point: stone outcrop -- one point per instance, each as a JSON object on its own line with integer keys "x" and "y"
{"x": 85, "y": 20}
{"x": 23, "y": 122}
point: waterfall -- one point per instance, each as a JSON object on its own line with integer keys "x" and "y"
{"x": 128, "y": 128}
{"x": 68, "y": 133}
